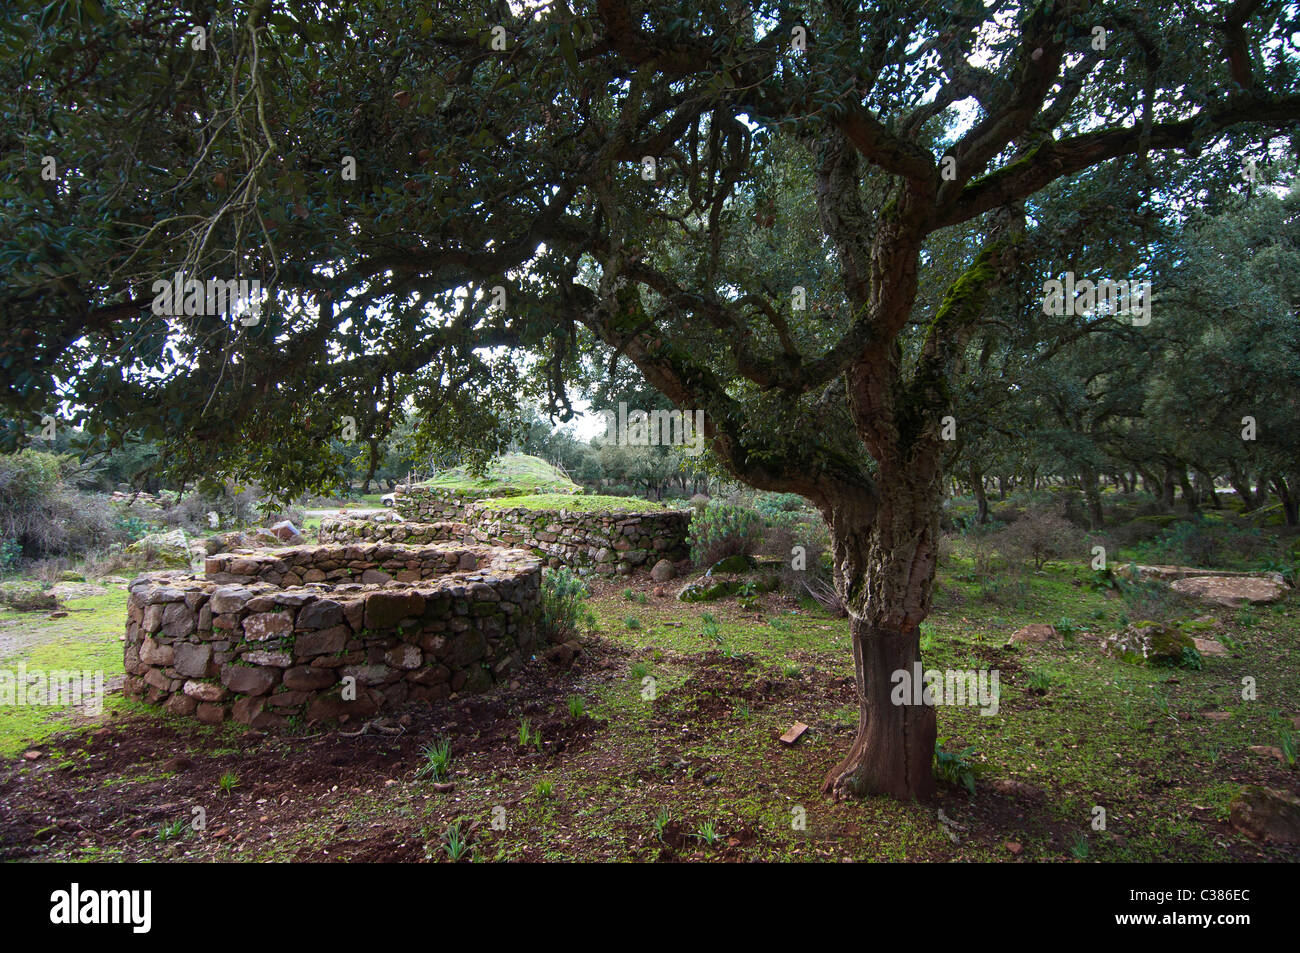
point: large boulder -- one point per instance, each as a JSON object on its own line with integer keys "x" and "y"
{"x": 663, "y": 571}
{"x": 1231, "y": 591}
{"x": 171, "y": 550}
{"x": 1153, "y": 643}
{"x": 27, "y": 596}
{"x": 287, "y": 533}
{"x": 230, "y": 542}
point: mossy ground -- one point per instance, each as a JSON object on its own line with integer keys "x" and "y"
{"x": 697, "y": 771}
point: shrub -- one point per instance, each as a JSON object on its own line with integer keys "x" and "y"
{"x": 769, "y": 505}
{"x": 10, "y": 553}
{"x": 1039, "y": 535}
{"x": 564, "y": 611}
{"x": 721, "y": 530}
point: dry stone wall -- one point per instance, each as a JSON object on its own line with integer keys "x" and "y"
{"x": 240, "y": 644}
{"x": 603, "y": 542}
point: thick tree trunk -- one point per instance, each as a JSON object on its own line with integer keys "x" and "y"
{"x": 1092, "y": 493}
{"x": 981, "y": 498}
{"x": 1167, "y": 489}
{"x": 1290, "y": 505}
{"x": 885, "y": 553}
{"x": 1205, "y": 482}
{"x": 1189, "y": 494}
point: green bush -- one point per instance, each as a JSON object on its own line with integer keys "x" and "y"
{"x": 564, "y": 611}
{"x": 10, "y": 553}
{"x": 769, "y": 505}
{"x": 720, "y": 530}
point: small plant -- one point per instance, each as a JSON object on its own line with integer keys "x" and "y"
{"x": 710, "y": 629}
{"x": 529, "y": 737}
{"x": 790, "y": 670}
{"x": 639, "y": 671}
{"x": 1039, "y": 682}
{"x": 1066, "y": 628}
{"x": 1289, "y": 743}
{"x": 1081, "y": 849}
{"x": 455, "y": 843}
{"x": 544, "y": 789}
{"x": 661, "y": 822}
{"x": 577, "y": 706}
{"x": 172, "y": 831}
{"x": 709, "y": 833}
{"x": 437, "y": 760}
{"x": 564, "y": 611}
{"x": 628, "y": 594}
{"x": 633, "y": 596}
{"x": 953, "y": 767}
{"x": 228, "y": 782}
{"x": 632, "y": 622}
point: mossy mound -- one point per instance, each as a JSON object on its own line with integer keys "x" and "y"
{"x": 512, "y": 474}
{"x": 1156, "y": 644}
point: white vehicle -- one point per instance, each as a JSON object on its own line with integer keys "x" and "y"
{"x": 388, "y": 499}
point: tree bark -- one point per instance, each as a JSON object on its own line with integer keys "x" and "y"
{"x": 885, "y": 554}
{"x": 981, "y": 498}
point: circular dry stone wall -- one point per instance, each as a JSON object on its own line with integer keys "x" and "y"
{"x": 313, "y": 633}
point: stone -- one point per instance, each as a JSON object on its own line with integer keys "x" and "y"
{"x": 1153, "y": 643}
{"x": 386, "y": 609}
{"x": 287, "y": 533}
{"x": 192, "y": 658}
{"x": 152, "y": 653}
{"x": 1266, "y": 814}
{"x": 321, "y": 614}
{"x": 170, "y": 549}
{"x": 308, "y": 679}
{"x": 182, "y": 705}
{"x": 277, "y": 659}
{"x": 373, "y": 577}
{"x": 248, "y": 679}
{"x": 321, "y": 641}
{"x": 1231, "y": 591}
{"x": 261, "y": 626}
{"x": 209, "y": 713}
{"x": 1209, "y": 647}
{"x": 205, "y": 691}
{"x": 405, "y": 657}
{"x": 229, "y": 598}
{"x": 663, "y": 571}
{"x": 1034, "y": 634}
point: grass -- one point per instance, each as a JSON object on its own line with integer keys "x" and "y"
{"x": 550, "y": 502}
